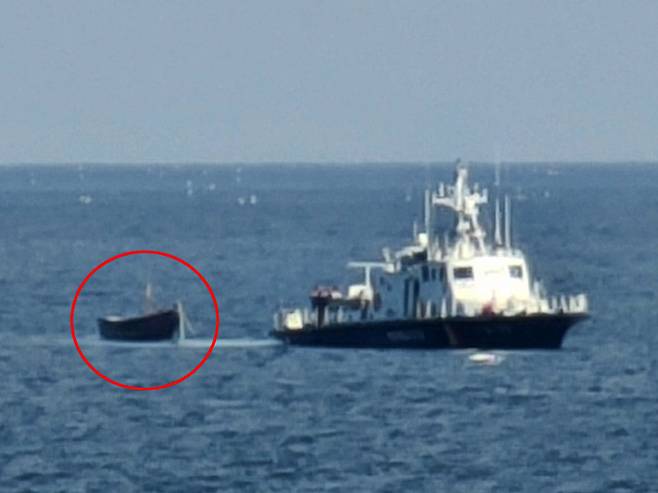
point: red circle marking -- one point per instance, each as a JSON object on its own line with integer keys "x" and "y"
{"x": 144, "y": 252}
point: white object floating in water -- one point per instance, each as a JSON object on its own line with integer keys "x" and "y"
{"x": 485, "y": 358}
{"x": 85, "y": 199}
{"x": 251, "y": 200}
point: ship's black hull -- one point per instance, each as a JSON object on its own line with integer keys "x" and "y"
{"x": 540, "y": 331}
{"x": 157, "y": 326}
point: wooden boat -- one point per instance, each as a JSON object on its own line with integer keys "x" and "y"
{"x": 154, "y": 325}
{"x": 158, "y": 326}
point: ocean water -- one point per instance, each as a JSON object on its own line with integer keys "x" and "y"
{"x": 259, "y": 416}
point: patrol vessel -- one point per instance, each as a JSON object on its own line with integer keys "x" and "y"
{"x": 450, "y": 289}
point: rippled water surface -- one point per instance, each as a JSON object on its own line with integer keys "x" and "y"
{"x": 262, "y": 417}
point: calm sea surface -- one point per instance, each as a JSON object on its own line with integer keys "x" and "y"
{"x": 263, "y": 417}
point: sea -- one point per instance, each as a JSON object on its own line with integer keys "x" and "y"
{"x": 259, "y": 416}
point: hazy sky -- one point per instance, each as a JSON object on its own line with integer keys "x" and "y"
{"x": 166, "y": 81}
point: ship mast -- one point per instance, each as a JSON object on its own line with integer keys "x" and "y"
{"x": 465, "y": 201}
{"x": 428, "y": 224}
{"x": 149, "y": 299}
{"x": 508, "y": 224}
{"x": 497, "y": 235}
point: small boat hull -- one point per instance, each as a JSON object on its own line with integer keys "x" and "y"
{"x": 540, "y": 331}
{"x": 159, "y": 326}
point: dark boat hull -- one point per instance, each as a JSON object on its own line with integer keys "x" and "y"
{"x": 541, "y": 331}
{"x": 157, "y": 326}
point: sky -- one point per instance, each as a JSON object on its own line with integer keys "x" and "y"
{"x": 327, "y": 81}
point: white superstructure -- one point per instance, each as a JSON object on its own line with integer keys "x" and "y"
{"x": 460, "y": 273}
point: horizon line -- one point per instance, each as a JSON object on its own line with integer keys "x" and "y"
{"x": 326, "y": 163}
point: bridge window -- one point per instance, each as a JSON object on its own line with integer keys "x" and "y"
{"x": 463, "y": 272}
{"x": 516, "y": 271}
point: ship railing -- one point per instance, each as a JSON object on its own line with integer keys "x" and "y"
{"x": 426, "y": 310}
{"x": 430, "y": 309}
{"x": 503, "y": 251}
{"x": 292, "y": 318}
{"x": 448, "y": 307}
{"x": 568, "y": 304}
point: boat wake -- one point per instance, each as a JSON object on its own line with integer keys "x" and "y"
{"x": 246, "y": 343}
{"x": 204, "y": 344}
